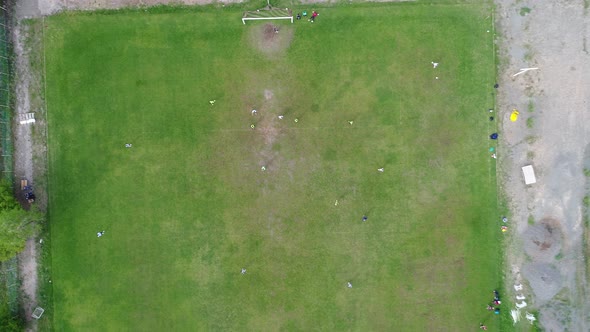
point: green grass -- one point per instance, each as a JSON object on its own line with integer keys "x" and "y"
{"x": 269, "y": 13}
{"x": 524, "y": 11}
{"x": 530, "y": 155}
{"x": 531, "y": 139}
{"x": 531, "y": 106}
{"x": 188, "y": 206}
{"x": 530, "y": 123}
{"x": 528, "y": 55}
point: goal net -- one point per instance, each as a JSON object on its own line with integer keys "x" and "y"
{"x": 268, "y": 14}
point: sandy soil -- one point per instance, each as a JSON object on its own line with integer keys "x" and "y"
{"x": 545, "y": 249}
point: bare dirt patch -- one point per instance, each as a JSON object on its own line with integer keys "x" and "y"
{"x": 546, "y": 252}
{"x": 542, "y": 241}
{"x": 270, "y": 39}
{"x": 30, "y": 147}
{"x": 27, "y": 262}
{"x": 23, "y": 167}
{"x": 268, "y": 94}
{"x": 268, "y": 128}
{"x": 545, "y": 280}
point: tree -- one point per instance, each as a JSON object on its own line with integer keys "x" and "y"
{"x": 16, "y": 224}
{"x": 7, "y": 200}
{"x": 11, "y": 324}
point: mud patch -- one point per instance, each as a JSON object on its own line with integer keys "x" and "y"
{"x": 269, "y": 131}
{"x": 271, "y": 40}
{"x": 542, "y": 241}
{"x": 268, "y": 94}
{"x": 545, "y": 280}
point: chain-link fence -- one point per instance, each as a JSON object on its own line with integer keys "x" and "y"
{"x": 8, "y": 269}
{"x": 5, "y": 112}
{"x": 9, "y": 275}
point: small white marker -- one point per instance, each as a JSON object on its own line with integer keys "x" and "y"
{"x": 380, "y": 169}
{"x": 281, "y": 117}
{"x": 351, "y": 122}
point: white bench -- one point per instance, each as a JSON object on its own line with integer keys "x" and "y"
{"x": 529, "y": 174}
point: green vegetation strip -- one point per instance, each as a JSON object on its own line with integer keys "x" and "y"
{"x": 9, "y": 293}
{"x": 187, "y": 206}
{"x": 5, "y": 111}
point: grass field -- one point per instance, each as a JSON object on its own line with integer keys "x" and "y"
{"x": 188, "y": 205}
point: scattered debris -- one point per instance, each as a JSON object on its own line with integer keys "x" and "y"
{"x": 524, "y": 70}
{"x": 514, "y": 115}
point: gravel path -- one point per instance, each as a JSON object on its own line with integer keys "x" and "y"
{"x": 552, "y": 133}
{"x": 27, "y": 148}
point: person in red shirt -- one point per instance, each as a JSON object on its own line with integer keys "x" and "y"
{"x": 483, "y": 327}
{"x": 314, "y": 14}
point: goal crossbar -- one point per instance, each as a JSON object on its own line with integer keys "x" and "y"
{"x": 266, "y": 14}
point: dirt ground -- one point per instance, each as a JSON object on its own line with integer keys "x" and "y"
{"x": 271, "y": 40}
{"x": 30, "y": 150}
{"x": 545, "y": 244}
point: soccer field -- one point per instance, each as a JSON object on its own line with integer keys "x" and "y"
{"x": 189, "y": 204}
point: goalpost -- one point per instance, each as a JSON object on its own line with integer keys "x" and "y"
{"x": 268, "y": 14}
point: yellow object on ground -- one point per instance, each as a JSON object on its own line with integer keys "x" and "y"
{"x": 514, "y": 115}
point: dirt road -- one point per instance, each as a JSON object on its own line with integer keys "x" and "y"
{"x": 545, "y": 251}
